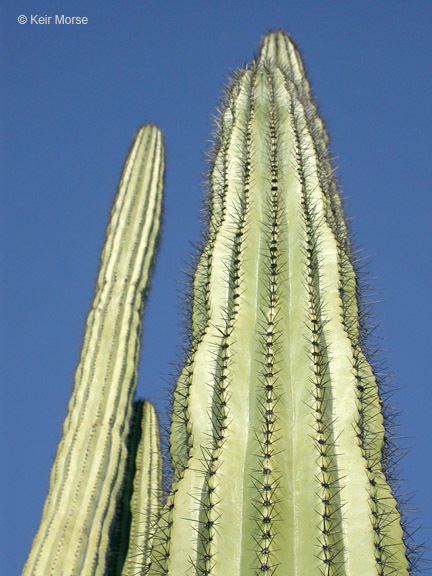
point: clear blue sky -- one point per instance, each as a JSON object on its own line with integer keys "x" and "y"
{"x": 71, "y": 100}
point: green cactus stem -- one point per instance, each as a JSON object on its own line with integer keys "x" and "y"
{"x": 88, "y": 473}
{"x": 277, "y": 434}
{"x": 139, "y": 503}
{"x": 145, "y": 500}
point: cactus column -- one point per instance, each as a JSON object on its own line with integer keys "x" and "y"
{"x": 88, "y": 475}
{"x": 144, "y": 500}
{"x": 277, "y": 433}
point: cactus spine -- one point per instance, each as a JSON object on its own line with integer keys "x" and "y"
{"x": 277, "y": 434}
{"x": 92, "y": 469}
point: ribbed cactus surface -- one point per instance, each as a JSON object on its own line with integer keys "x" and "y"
{"x": 144, "y": 502}
{"x": 277, "y": 432}
{"x": 90, "y": 472}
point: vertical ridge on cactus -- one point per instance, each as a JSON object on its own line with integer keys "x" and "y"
{"x": 88, "y": 473}
{"x": 277, "y": 433}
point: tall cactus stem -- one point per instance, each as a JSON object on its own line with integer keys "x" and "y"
{"x": 145, "y": 496}
{"x": 88, "y": 472}
{"x": 277, "y": 434}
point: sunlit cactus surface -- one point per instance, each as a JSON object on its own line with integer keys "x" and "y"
{"x": 86, "y": 521}
{"x": 277, "y": 437}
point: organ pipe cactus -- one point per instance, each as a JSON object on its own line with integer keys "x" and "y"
{"x": 277, "y": 437}
{"x": 106, "y": 439}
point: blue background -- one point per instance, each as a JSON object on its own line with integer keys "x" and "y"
{"x": 72, "y": 99}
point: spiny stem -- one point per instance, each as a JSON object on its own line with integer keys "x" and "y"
{"x": 87, "y": 475}
{"x": 277, "y": 418}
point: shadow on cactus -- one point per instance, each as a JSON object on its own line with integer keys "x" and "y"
{"x": 278, "y": 441}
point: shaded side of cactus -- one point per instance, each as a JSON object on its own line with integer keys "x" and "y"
{"x": 145, "y": 495}
{"x": 277, "y": 434}
{"x": 88, "y": 474}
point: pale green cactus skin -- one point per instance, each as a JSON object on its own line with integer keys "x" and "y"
{"x": 92, "y": 464}
{"x": 277, "y": 431}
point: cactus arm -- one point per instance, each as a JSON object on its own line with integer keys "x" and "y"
{"x": 121, "y": 524}
{"x": 88, "y": 470}
{"x": 146, "y": 492}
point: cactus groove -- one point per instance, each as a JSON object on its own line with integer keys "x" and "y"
{"x": 90, "y": 472}
{"x": 277, "y": 434}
